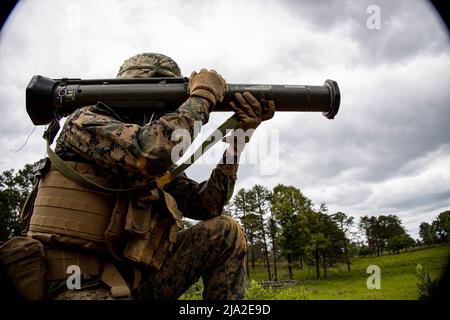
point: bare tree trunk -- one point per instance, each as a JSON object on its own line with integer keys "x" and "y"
{"x": 264, "y": 236}
{"x": 289, "y": 258}
{"x": 251, "y": 251}
{"x": 301, "y": 263}
{"x": 247, "y": 266}
{"x": 324, "y": 264}
{"x": 317, "y": 258}
{"x": 275, "y": 262}
{"x": 253, "y": 258}
{"x": 274, "y": 247}
{"x": 347, "y": 258}
{"x": 247, "y": 255}
{"x": 266, "y": 253}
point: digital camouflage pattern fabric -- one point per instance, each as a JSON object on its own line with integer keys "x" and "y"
{"x": 149, "y": 65}
{"x": 133, "y": 154}
{"x": 214, "y": 250}
{"x": 96, "y": 134}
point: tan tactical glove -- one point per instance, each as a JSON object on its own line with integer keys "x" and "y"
{"x": 208, "y": 85}
{"x": 249, "y": 111}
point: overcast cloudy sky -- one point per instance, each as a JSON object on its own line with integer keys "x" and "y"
{"x": 387, "y": 151}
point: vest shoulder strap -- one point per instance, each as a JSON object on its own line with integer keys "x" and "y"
{"x": 158, "y": 182}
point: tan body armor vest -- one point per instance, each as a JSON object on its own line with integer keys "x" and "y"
{"x": 68, "y": 215}
{"x": 65, "y": 208}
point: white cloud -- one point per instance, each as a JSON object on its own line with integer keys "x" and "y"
{"x": 386, "y": 146}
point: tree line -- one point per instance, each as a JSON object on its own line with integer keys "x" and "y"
{"x": 437, "y": 231}
{"x": 280, "y": 224}
{"x": 283, "y": 223}
{"x": 14, "y": 190}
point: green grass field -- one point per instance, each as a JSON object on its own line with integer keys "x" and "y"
{"x": 398, "y": 278}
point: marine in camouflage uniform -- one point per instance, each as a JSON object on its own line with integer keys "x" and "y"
{"x": 214, "y": 249}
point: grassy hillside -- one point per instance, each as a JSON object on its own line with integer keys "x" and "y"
{"x": 398, "y": 278}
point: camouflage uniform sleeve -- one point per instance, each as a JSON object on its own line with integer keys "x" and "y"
{"x": 205, "y": 200}
{"x": 96, "y": 134}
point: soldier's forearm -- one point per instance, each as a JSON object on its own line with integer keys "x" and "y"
{"x": 226, "y": 171}
{"x": 196, "y": 109}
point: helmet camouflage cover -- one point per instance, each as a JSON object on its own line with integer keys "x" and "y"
{"x": 148, "y": 65}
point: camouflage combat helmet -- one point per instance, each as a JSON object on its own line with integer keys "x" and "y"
{"x": 148, "y": 65}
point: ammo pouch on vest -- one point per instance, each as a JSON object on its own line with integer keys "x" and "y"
{"x": 152, "y": 229}
{"x": 24, "y": 264}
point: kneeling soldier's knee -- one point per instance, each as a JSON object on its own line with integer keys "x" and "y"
{"x": 233, "y": 234}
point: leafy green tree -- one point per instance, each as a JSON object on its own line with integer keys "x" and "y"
{"x": 436, "y": 232}
{"x": 259, "y": 198}
{"x": 290, "y": 207}
{"x": 14, "y": 189}
{"x": 441, "y": 227}
{"x": 399, "y": 242}
{"x": 389, "y": 226}
{"x": 345, "y": 223}
{"x": 273, "y": 231}
{"x": 427, "y": 233}
{"x": 364, "y": 251}
{"x": 367, "y": 226}
{"x": 329, "y": 239}
{"x": 318, "y": 242}
{"x": 241, "y": 208}
{"x": 380, "y": 230}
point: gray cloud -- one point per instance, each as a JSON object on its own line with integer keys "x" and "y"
{"x": 439, "y": 198}
{"x": 405, "y": 26}
{"x": 387, "y": 150}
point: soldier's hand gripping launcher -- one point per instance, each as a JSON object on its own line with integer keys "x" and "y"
{"x": 48, "y": 99}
